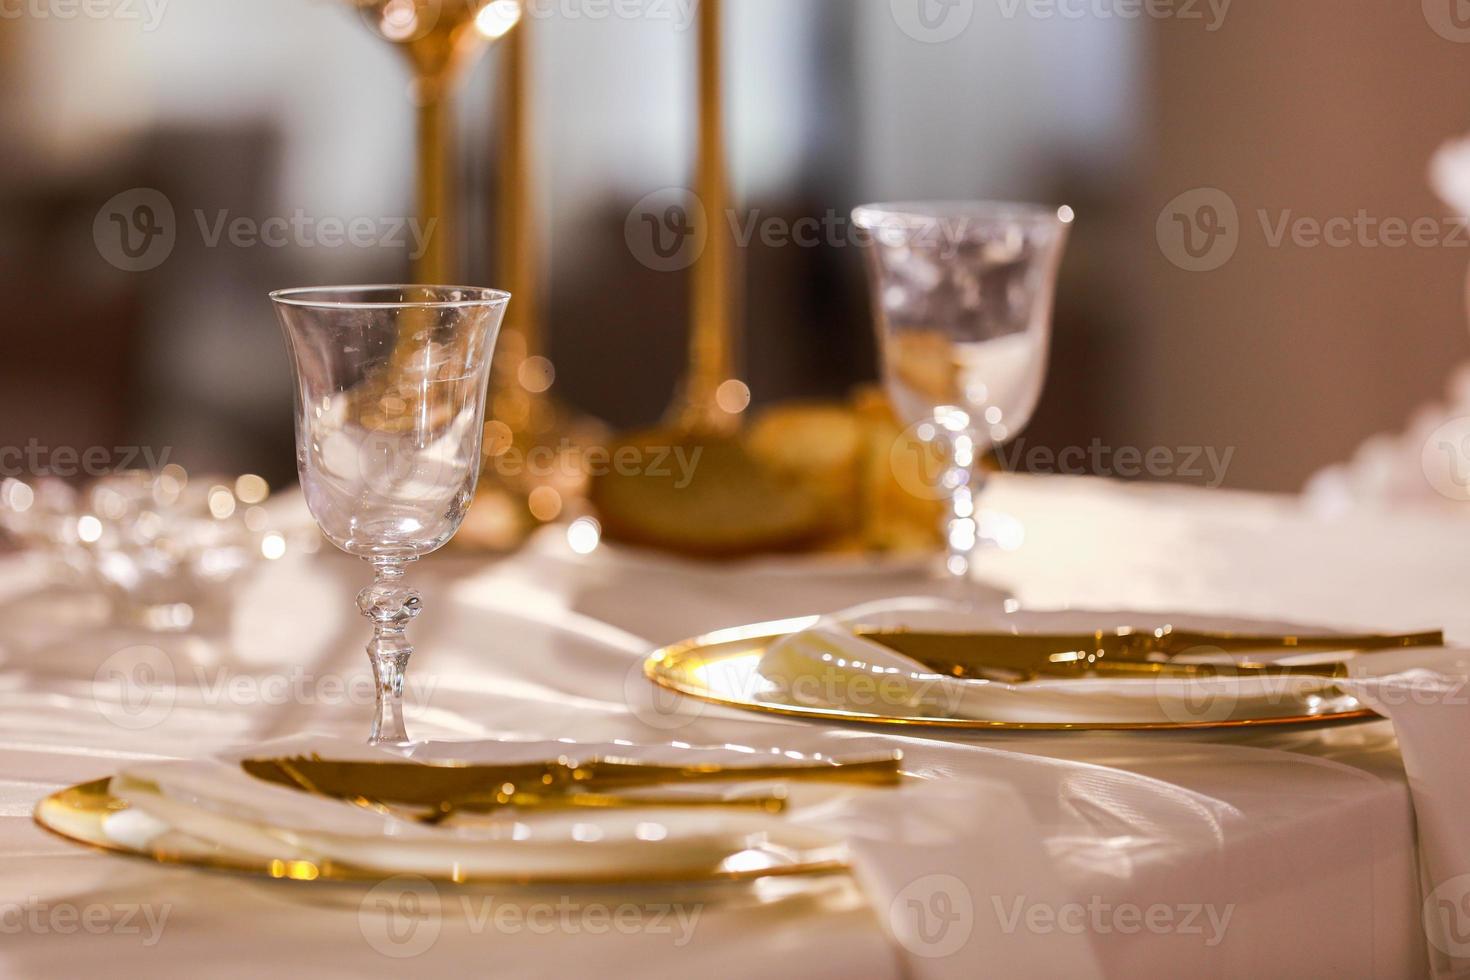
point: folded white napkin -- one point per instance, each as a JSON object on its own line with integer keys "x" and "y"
{"x": 216, "y": 801}
{"x": 940, "y": 861}
{"x": 1427, "y": 696}
{"x": 829, "y": 666}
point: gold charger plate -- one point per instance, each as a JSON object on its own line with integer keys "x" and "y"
{"x": 80, "y": 814}
{"x": 721, "y": 668}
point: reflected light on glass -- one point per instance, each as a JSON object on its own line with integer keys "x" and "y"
{"x": 498, "y": 17}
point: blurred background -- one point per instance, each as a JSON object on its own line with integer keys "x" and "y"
{"x": 1290, "y": 351}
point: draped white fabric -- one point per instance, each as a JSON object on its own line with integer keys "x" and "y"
{"x": 1269, "y": 854}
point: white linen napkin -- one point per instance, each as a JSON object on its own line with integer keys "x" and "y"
{"x": 1426, "y": 694}
{"x": 943, "y": 863}
{"x": 829, "y": 666}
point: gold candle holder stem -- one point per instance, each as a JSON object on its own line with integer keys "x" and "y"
{"x": 435, "y": 138}
{"x": 712, "y": 329}
{"x": 517, "y": 239}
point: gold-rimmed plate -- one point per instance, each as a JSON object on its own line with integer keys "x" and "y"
{"x": 724, "y": 668}
{"x": 91, "y": 815}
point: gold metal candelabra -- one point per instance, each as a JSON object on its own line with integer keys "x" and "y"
{"x": 441, "y": 39}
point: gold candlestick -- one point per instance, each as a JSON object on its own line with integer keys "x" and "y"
{"x": 440, "y": 39}
{"x": 720, "y": 500}
{"x": 526, "y": 421}
{"x": 712, "y": 397}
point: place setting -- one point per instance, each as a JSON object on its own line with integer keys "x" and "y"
{"x": 755, "y": 605}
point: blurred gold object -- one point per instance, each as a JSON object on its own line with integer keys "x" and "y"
{"x": 440, "y": 38}
{"x": 1017, "y": 658}
{"x": 732, "y": 503}
{"x": 535, "y": 471}
{"x": 705, "y": 496}
{"x": 869, "y": 472}
{"x": 427, "y": 784}
{"x": 724, "y": 668}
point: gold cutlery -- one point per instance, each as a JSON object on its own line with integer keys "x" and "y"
{"x": 444, "y": 789}
{"x": 1019, "y": 657}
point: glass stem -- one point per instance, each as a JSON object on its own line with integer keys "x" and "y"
{"x": 391, "y": 606}
{"x": 964, "y": 479}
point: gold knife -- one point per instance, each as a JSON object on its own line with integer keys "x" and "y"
{"x": 556, "y": 782}
{"x": 1017, "y": 657}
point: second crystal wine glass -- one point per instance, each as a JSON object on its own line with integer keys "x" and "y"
{"x": 963, "y": 295}
{"x": 390, "y": 406}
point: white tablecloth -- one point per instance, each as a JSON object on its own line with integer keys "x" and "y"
{"x": 1285, "y": 854}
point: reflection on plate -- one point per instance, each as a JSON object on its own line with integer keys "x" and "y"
{"x": 723, "y": 668}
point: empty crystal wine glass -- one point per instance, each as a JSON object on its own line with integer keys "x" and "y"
{"x": 963, "y": 298}
{"x": 390, "y": 406}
